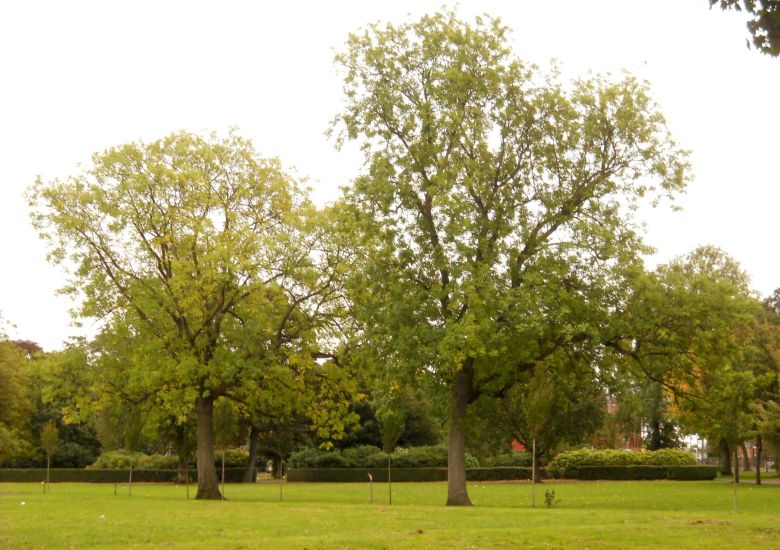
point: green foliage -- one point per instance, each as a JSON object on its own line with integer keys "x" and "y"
{"x": 121, "y": 459}
{"x": 50, "y": 436}
{"x": 429, "y": 456}
{"x": 615, "y": 457}
{"x": 495, "y": 208}
{"x": 549, "y": 498}
{"x": 364, "y": 456}
{"x": 316, "y": 458}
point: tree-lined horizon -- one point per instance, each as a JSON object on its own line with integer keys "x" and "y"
{"x": 488, "y": 258}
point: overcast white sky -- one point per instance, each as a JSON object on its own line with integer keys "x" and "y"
{"x": 77, "y": 77}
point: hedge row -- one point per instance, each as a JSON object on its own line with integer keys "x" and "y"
{"x": 628, "y": 472}
{"x": 618, "y": 457}
{"x": 37, "y": 475}
{"x": 346, "y": 475}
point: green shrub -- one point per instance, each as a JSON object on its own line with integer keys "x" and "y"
{"x": 618, "y": 457}
{"x": 431, "y": 456}
{"x": 234, "y": 458}
{"x": 120, "y": 460}
{"x": 364, "y": 456}
{"x": 669, "y": 457}
{"x": 316, "y": 458}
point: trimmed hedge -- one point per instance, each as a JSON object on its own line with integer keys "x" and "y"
{"x": 349, "y": 475}
{"x": 618, "y": 457}
{"x": 640, "y": 472}
{"x": 37, "y": 475}
{"x": 620, "y": 472}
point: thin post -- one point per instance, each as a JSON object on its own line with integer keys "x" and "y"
{"x": 48, "y": 463}
{"x": 533, "y": 473}
{"x": 187, "y": 478}
{"x": 734, "y": 478}
{"x": 389, "y": 484}
{"x": 281, "y": 478}
{"x": 130, "y": 479}
{"x": 223, "y": 473}
{"x": 370, "y": 488}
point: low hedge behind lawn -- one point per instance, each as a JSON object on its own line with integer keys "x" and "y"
{"x": 624, "y": 473}
{"x": 37, "y": 475}
{"x": 640, "y": 472}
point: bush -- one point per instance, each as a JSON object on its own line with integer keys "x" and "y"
{"x": 316, "y": 458}
{"x": 364, "y": 456}
{"x": 234, "y": 458}
{"x": 618, "y": 457}
{"x": 432, "y": 456}
{"x": 120, "y": 460}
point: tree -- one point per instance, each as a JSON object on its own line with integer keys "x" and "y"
{"x": 16, "y": 405}
{"x": 764, "y": 23}
{"x": 494, "y": 211}
{"x": 172, "y": 240}
{"x": 688, "y": 328}
{"x": 49, "y": 438}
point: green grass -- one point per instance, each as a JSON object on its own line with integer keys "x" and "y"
{"x": 645, "y": 514}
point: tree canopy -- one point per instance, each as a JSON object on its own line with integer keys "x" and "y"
{"x": 495, "y": 207}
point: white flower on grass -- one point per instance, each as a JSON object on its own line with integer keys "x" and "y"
{"x": 23, "y": 503}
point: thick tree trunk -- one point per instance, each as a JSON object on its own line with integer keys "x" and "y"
{"x": 745, "y": 458}
{"x": 759, "y": 450}
{"x": 462, "y": 388}
{"x": 725, "y": 458}
{"x": 208, "y": 487}
{"x": 250, "y": 471}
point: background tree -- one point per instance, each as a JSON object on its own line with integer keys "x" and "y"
{"x": 494, "y": 206}
{"x": 176, "y": 236}
{"x": 49, "y": 438}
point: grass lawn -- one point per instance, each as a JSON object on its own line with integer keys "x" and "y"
{"x": 645, "y": 514}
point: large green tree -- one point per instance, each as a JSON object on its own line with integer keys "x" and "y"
{"x": 495, "y": 208}
{"x": 177, "y": 241}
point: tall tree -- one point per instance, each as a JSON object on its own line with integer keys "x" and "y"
{"x": 176, "y": 236}
{"x": 495, "y": 206}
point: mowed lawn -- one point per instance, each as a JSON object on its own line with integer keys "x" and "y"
{"x": 645, "y": 514}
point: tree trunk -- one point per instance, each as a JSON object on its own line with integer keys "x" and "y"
{"x": 759, "y": 449}
{"x": 250, "y": 472}
{"x": 745, "y": 458}
{"x": 48, "y": 463}
{"x": 276, "y": 467}
{"x": 457, "y": 494}
{"x": 537, "y": 465}
{"x": 725, "y": 458}
{"x": 208, "y": 487}
{"x": 736, "y": 463}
